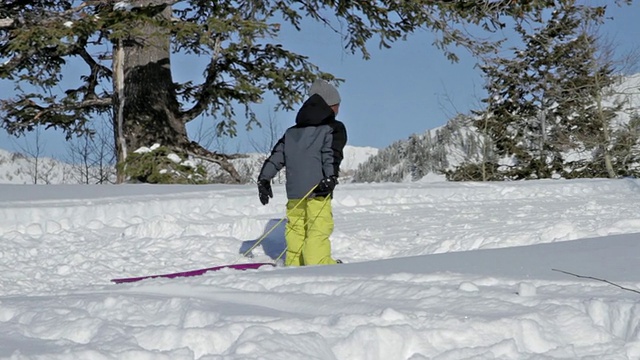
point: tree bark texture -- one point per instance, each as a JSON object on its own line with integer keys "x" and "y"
{"x": 150, "y": 107}
{"x": 147, "y": 110}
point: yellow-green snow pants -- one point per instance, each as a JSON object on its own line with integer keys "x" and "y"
{"x": 308, "y": 228}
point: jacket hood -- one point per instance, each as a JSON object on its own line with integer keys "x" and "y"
{"x": 314, "y": 111}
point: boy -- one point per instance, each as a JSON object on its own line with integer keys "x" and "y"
{"x": 312, "y": 151}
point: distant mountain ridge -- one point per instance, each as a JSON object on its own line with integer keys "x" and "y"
{"x": 16, "y": 168}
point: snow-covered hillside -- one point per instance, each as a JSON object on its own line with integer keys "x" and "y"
{"x": 458, "y": 141}
{"x": 19, "y": 169}
{"x": 356, "y": 155}
{"x": 16, "y": 168}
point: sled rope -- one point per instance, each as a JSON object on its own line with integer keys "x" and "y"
{"x": 264, "y": 236}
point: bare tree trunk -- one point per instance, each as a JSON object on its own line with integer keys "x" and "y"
{"x": 91, "y": 158}
{"x": 485, "y": 146}
{"x": 606, "y": 132}
{"x": 118, "y": 113}
{"x": 33, "y": 154}
{"x": 608, "y": 163}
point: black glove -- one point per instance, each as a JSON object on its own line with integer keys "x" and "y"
{"x": 264, "y": 191}
{"x": 326, "y": 185}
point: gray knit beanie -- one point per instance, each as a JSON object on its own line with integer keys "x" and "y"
{"x": 326, "y": 91}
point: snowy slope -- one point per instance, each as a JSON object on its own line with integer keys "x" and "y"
{"x": 356, "y": 155}
{"x": 19, "y": 169}
{"x": 434, "y": 270}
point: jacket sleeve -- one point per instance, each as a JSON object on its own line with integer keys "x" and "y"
{"x": 332, "y": 152}
{"x": 274, "y": 163}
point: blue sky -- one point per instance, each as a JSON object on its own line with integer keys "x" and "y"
{"x": 407, "y": 89}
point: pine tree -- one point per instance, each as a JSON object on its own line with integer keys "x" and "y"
{"x": 626, "y": 148}
{"x": 540, "y": 103}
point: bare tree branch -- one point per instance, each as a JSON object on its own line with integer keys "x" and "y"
{"x": 597, "y": 279}
{"x": 196, "y": 150}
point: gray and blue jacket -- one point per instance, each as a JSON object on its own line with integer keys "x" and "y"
{"x": 310, "y": 150}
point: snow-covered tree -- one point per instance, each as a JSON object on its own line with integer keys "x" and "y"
{"x": 541, "y": 103}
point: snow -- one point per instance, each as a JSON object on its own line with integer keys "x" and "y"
{"x": 174, "y": 157}
{"x": 145, "y": 150}
{"x": 21, "y": 169}
{"x": 356, "y": 155}
{"x": 433, "y": 270}
{"x": 123, "y": 5}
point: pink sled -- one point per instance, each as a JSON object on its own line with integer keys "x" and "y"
{"x": 193, "y": 272}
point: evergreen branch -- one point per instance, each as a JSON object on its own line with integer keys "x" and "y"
{"x": 90, "y": 103}
{"x": 151, "y": 3}
{"x": 19, "y": 58}
{"x": 311, "y": 10}
{"x": 10, "y": 65}
{"x": 61, "y": 15}
{"x": 598, "y": 279}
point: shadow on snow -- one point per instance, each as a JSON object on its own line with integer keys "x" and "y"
{"x": 273, "y": 244}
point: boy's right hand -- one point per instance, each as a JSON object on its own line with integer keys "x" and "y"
{"x": 264, "y": 191}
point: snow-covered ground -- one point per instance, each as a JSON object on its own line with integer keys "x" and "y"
{"x": 433, "y": 270}
{"x": 20, "y": 169}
